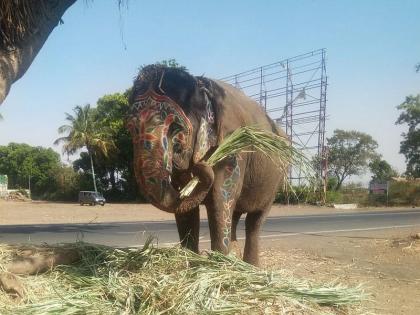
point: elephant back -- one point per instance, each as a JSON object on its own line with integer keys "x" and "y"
{"x": 235, "y": 110}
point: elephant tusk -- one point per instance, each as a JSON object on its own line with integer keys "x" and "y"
{"x": 189, "y": 187}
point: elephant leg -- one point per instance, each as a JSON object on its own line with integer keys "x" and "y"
{"x": 234, "y": 246}
{"x": 220, "y": 225}
{"x": 221, "y": 202}
{"x": 235, "y": 220}
{"x": 188, "y": 225}
{"x": 253, "y": 223}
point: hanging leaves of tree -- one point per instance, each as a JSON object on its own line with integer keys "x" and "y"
{"x": 24, "y": 28}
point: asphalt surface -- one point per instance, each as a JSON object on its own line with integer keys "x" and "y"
{"x": 134, "y": 233}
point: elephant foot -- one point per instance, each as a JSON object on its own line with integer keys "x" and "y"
{"x": 236, "y": 249}
{"x": 11, "y": 285}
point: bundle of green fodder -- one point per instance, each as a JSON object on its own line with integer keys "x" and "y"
{"x": 173, "y": 280}
{"x": 253, "y": 139}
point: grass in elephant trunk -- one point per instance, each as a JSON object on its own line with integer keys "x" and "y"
{"x": 171, "y": 280}
{"x": 249, "y": 139}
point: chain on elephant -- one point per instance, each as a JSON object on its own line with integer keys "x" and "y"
{"x": 231, "y": 176}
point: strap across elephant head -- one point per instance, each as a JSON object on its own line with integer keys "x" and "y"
{"x": 206, "y": 134}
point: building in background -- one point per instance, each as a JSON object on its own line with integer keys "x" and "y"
{"x": 3, "y": 185}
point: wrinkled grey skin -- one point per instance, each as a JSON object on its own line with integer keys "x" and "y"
{"x": 251, "y": 189}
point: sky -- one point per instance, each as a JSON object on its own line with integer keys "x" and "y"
{"x": 372, "y": 48}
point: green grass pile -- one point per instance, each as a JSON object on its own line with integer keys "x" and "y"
{"x": 173, "y": 280}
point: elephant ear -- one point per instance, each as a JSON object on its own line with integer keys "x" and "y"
{"x": 207, "y": 133}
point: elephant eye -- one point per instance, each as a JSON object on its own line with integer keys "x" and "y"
{"x": 177, "y": 148}
{"x": 174, "y": 128}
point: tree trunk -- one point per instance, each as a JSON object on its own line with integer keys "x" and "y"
{"x": 15, "y": 62}
{"x": 112, "y": 177}
{"x": 339, "y": 183}
{"x": 93, "y": 171}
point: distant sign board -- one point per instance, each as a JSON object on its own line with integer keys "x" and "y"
{"x": 378, "y": 188}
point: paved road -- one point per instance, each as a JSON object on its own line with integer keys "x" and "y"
{"x": 134, "y": 233}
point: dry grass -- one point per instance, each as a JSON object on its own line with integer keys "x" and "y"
{"x": 172, "y": 280}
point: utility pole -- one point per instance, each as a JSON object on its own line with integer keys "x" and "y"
{"x": 324, "y": 173}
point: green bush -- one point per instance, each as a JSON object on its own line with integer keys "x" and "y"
{"x": 300, "y": 194}
{"x": 334, "y": 197}
{"x": 400, "y": 194}
{"x": 352, "y": 193}
{"x": 356, "y": 195}
{"x": 404, "y": 193}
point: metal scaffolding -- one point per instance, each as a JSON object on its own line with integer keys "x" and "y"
{"x": 293, "y": 92}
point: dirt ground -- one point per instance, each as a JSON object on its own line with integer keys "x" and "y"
{"x": 387, "y": 264}
{"x": 41, "y": 212}
{"x": 387, "y": 267}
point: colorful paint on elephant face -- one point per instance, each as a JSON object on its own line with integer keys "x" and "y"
{"x": 153, "y": 145}
{"x": 228, "y": 190}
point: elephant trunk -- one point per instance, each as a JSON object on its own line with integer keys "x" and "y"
{"x": 162, "y": 138}
{"x": 205, "y": 175}
{"x": 171, "y": 201}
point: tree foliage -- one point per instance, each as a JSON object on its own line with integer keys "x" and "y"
{"x": 22, "y": 162}
{"x": 114, "y": 171}
{"x": 349, "y": 154}
{"x": 84, "y": 130}
{"x": 410, "y": 146}
{"x": 172, "y": 63}
{"x": 381, "y": 170}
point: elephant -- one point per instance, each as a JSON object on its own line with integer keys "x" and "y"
{"x": 176, "y": 121}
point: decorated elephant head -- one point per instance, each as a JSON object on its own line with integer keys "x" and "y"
{"x": 173, "y": 126}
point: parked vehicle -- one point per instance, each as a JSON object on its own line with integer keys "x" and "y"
{"x": 92, "y": 198}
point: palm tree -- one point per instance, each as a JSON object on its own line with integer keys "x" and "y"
{"x": 83, "y": 130}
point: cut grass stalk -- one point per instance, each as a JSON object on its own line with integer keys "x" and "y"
{"x": 249, "y": 138}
